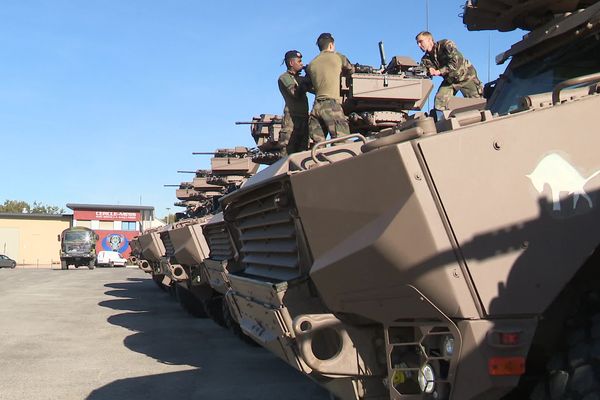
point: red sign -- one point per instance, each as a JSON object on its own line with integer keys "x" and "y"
{"x": 107, "y": 215}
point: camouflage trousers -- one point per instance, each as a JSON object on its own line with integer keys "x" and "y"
{"x": 327, "y": 116}
{"x": 293, "y": 136}
{"x": 470, "y": 88}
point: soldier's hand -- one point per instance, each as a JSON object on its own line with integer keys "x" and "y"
{"x": 434, "y": 72}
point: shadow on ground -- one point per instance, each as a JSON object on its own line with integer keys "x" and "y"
{"x": 223, "y": 367}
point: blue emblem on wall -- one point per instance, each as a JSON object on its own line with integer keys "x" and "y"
{"x": 115, "y": 242}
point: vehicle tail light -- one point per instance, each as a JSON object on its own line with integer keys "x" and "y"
{"x": 509, "y": 338}
{"x": 506, "y": 366}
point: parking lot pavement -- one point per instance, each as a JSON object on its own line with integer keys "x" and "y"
{"x": 110, "y": 334}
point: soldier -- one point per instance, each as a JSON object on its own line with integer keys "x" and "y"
{"x": 443, "y": 59}
{"x": 293, "y": 136}
{"x": 324, "y": 72}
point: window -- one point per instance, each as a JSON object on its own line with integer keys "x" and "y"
{"x": 106, "y": 225}
{"x": 84, "y": 223}
{"x": 542, "y": 74}
{"x": 128, "y": 226}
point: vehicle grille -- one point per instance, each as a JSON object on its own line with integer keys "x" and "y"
{"x": 218, "y": 241}
{"x": 266, "y": 233}
{"x": 169, "y": 249}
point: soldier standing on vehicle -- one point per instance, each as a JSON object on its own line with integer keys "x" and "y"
{"x": 324, "y": 72}
{"x": 293, "y": 136}
{"x": 442, "y": 58}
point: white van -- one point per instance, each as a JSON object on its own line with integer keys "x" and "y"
{"x": 110, "y": 258}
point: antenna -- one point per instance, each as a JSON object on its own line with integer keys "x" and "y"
{"x": 489, "y": 54}
{"x": 427, "y": 29}
{"x": 427, "y": 15}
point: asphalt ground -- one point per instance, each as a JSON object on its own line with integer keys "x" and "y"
{"x": 110, "y": 334}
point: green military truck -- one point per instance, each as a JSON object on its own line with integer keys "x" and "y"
{"x": 77, "y": 247}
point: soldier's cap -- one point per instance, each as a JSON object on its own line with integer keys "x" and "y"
{"x": 290, "y": 55}
{"x": 325, "y": 35}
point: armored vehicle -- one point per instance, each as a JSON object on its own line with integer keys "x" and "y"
{"x": 449, "y": 259}
{"x": 229, "y": 169}
{"x": 149, "y": 250}
{"x": 177, "y": 261}
{"x": 77, "y": 247}
{"x": 134, "y": 255}
{"x": 373, "y": 99}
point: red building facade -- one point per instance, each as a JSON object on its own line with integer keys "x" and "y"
{"x": 115, "y": 225}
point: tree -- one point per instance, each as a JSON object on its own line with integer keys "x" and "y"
{"x": 14, "y": 206}
{"x": 168, "y": 219}
{"x": 39, "y": 208}
{"x": 20, "y": 206}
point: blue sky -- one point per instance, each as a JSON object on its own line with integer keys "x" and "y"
{"x": 102, "y": 101}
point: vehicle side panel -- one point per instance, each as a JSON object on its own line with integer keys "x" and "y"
{"x": 521, "y": 197}
{"x": 373, "y": 229}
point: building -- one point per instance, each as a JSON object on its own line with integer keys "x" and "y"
{"x": 115, "y": 225}
{"x": 33, "y": 239}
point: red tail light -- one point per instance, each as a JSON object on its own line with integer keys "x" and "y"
{"x": 509, "y": 338}
{"x": 506, "y": 366}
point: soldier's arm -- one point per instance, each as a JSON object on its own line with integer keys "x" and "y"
{"x": 305, "y": 84}
{"x": 455, "y": 61}
{"x": 290, "y": 85}
{"x": 427, "y": 64}
{"x": 347, "y": 67}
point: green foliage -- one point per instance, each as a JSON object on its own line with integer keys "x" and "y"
{"x": 14, "y": 206}
{"x": 17, "y": 206}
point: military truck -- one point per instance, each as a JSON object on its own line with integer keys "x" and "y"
{"x": 77, "y": 247}
{"x": 448, "y": 259}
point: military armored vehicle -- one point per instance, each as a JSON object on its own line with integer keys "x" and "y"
{"x": 135, "y": 251}
{"x": 77, "y": 247}
{"x": 373, "y": 99}
{"x": 229, "y": 168}
{"x": 183, "y": 249}
{"x": 149, "y": 250}
{"x": 449, "y": 259}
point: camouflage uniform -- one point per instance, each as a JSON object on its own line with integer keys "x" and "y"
{"x": 327, "y": 115}
{"x": 293, "y": 136}
{"x": 457, "y": 71}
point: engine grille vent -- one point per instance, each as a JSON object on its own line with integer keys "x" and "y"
{"x": 218, "y": 241}
{"x": 266, "y": 233}
{"x": 169, "y": 249}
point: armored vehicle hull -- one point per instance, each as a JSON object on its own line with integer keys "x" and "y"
{"x": 453, "y": 262}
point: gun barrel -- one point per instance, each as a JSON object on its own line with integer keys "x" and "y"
{"x": 382, "y": 55}
{"x": 171, "y": 185}
{"x": 273, "y": 121}
{"x": 186, "y": 172}
{"x": 204, "y": 153}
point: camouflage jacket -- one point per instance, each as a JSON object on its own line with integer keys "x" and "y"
{"x": 293, "y": 90}
{"x": 446, "y": 58}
